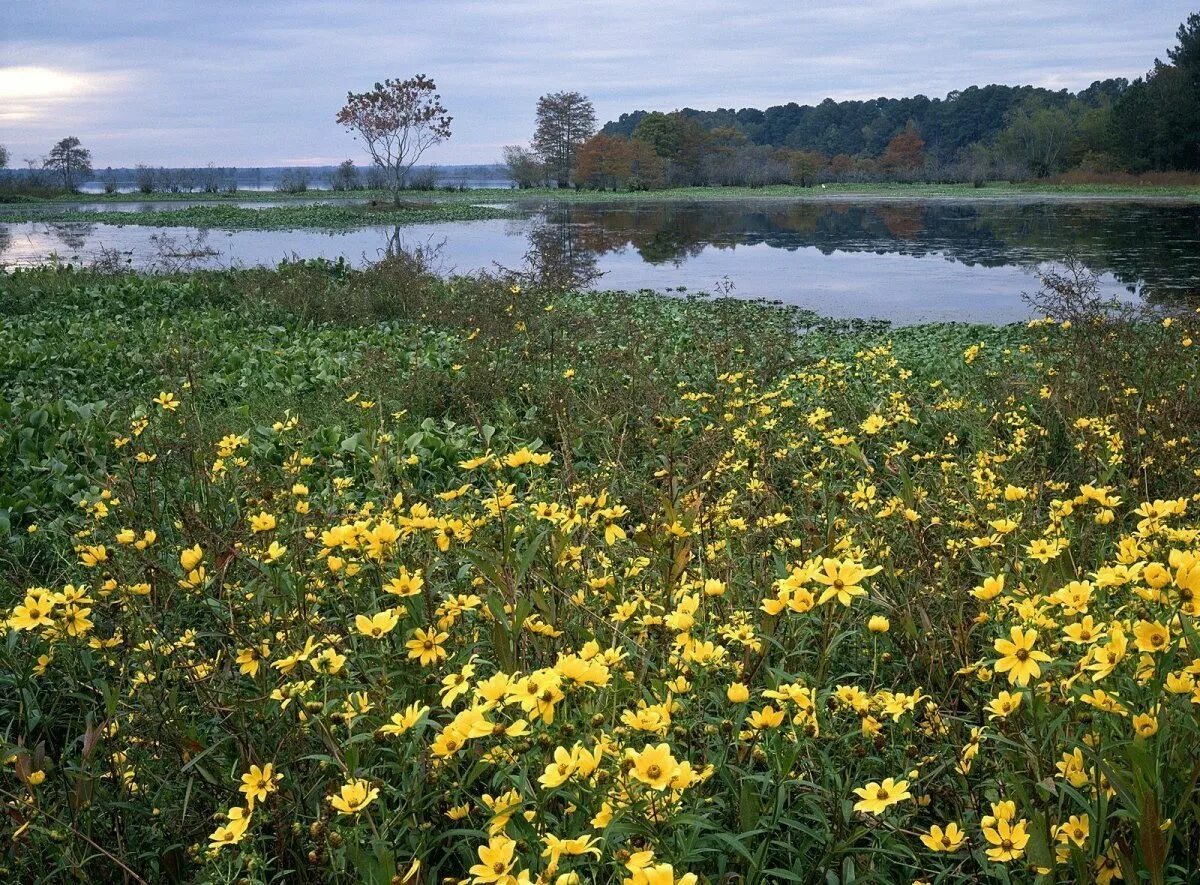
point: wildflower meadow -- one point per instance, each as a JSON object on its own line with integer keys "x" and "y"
{"x": 328, "y": 575}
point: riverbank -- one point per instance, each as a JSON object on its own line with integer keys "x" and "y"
{"x": 328, "y": 210}
{"x": 880, "y": 191}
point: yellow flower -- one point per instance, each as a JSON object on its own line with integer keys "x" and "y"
{"x": 1075, "y": 830}
{"x": 191, "y": 558}
{"x": 738, "y": 693}
{"x": 876, "y": 798}
{"x": 250, "y": 659}
{"x": 1004, "y": 704}
{"x": 75, "y": 621}
{"x": 232, "y": 832}
{"x": 426, "y": 646}
{"x": 495, "y": 860}
{"x": 328, "y": 661}
{"x": 559, "y": 771}
{"x": 92, "y": 556}
{"x": 378, "y": 625}
{"x": 949, "y": 839}
{"x": 1145, "y": 725}
{"x": 842, "y": 577}
{"x": 556, "y": 847}
{"x": 1105, "y": 701}
{"x": 1083, "y": 632}
{"x": 1152, "y": 637}
{"x": 354, "y": 796}
{"x": 167, "y": 401}
{"x": 873, "y": 424}
{"x": 257, "y": 783}
{"x": 1045, "y": 550}
{"x": 767, "y": 717}
{"x": 524, "y": 456}
{"x": 402, "y": 722}
{"x": 1008, "y": 840}
{"x": 879, "y": 624}
{"x": 653, "y": 766}
{"x": 405, "y": 584}
{"x": 1018, "y": 659}
{"x": 33, "y": 613}
{"x": 262, "y": 522}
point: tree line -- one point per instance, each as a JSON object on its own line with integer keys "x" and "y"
{"x": 981, "y": 133}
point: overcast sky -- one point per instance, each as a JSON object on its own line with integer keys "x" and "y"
{"x": 257, "y": 82}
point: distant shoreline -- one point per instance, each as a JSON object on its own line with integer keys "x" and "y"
{"x": 831, "y": 192}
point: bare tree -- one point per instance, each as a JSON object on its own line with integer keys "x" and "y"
{"x": 524, "y": 167}
{"x": 294, "y": 181}
{"x": 3, "y": 156}
{"x": 144, "y": 178}
{"x": 211, "y": 179}
{"x": 344, "y": 177}
{"x": 398, "y": 121}
{"x": 565, "y": 120}
{"x": 71, "y": 160}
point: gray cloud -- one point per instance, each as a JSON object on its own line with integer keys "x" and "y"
{"x": 257, "y": 82}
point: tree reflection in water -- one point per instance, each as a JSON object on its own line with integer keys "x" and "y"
{"x": 559, "y": 254}
{"x": 1152, "y": 249}
{"x": 74, "y": 235}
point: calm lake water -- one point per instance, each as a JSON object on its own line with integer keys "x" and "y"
{"x": 908, "y": 262}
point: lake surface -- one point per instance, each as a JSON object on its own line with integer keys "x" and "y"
{"x": 908, "y": 262}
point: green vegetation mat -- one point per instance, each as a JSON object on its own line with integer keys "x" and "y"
{"x": 232, "y": 217}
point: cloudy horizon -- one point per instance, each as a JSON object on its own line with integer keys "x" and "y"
{"x": 254, "y": 84}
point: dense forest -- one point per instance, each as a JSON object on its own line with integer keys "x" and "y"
{"x": 1151, "y": 124}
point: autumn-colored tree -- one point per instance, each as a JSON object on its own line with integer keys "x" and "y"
{"x": 840, "y": 164}
{"x": 805, "y": 166}
{"x": 565, "y": 120}
{"x": 615, "y": 162}
{"x": 397, "y": 121}
{"x": 905, "y": 152}
{"x": 604, "y": 162}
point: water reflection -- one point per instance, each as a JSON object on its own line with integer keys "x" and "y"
{"x": 74, "y": 235}
{"x": 905, "y": 261}
{"x": 1152, "y": 249}
{"x": 562, "y": 253}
